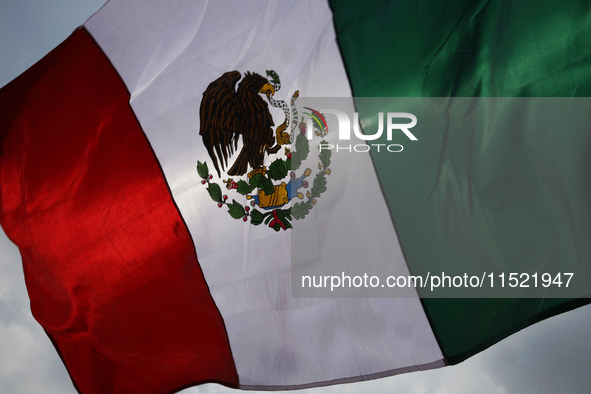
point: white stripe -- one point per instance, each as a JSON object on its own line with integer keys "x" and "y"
{"x": 167, "y": 53}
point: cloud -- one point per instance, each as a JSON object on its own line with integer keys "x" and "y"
{"x": 552, "y": 356}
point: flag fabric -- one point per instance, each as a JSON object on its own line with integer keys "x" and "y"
{"x": 513, "y": 199}
{"x": 154, "y": 262}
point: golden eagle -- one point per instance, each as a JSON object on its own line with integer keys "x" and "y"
{"x": 227, "y": 113}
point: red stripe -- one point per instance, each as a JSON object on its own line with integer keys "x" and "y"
{"x": 110, "y": 267}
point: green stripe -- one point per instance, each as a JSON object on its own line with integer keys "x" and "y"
{"x": 530, "y": 48}
{"x": 474, "y": 200}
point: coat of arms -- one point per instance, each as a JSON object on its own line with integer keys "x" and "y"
{"x": 229, "y": 115}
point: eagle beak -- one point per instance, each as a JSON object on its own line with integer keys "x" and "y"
{"x": 267, "y": 88}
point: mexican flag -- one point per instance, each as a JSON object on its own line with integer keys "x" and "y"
{"x": 184, "y": 201}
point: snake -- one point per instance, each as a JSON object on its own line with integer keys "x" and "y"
{"x": 281, "y": 136}
{"x": 294, "y": 112}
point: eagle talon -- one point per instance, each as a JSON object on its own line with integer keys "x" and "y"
{"x": 261, "y": 170}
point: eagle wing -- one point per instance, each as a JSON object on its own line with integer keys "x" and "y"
{"x": 220, "y": 117}
{"x": 256, "y": 123}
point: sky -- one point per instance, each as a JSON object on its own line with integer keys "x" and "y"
{"x": 553, "y": 356}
